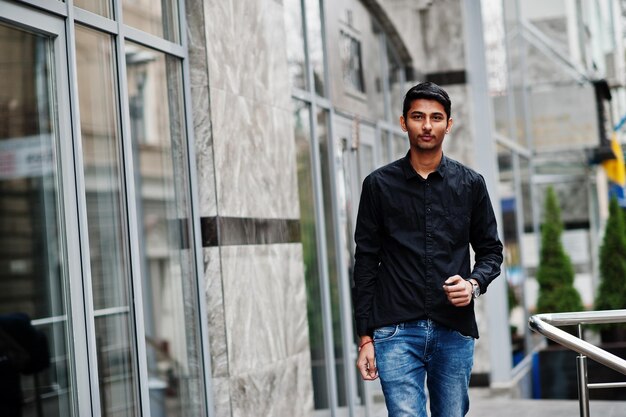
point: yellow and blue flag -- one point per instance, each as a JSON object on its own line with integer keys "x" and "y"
{"x": 614, "y": 168}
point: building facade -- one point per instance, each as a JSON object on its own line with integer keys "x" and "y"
{"x": 179, "y": 185}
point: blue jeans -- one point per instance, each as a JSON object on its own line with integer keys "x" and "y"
{"x": 408, "y": 353}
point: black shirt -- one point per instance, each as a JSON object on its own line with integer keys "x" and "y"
{"x": 414, "y": 233}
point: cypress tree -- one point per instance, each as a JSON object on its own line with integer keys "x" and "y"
{"x": 611, "y": 293}
{"x": 555, "y": 274}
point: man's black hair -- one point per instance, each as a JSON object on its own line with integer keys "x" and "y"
{"x": 429, "y": 91}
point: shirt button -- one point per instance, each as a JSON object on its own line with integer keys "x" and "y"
{"x": 429, "y": 234}
{"x": 428, "y": 210}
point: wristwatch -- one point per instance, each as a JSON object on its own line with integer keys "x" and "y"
{"x": 475, "y": 290}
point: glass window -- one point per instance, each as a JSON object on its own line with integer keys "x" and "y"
{"x": 396, "y": 85}
{"x": 34, "y": 313}
{"x": 366, "y": 160}
{"x": 513, "y": 268}
{"x": 373, "y": 55}
{"x": 101, "y": 7}
{"x": 302, "y": 114}
{"x": 528, "y": 207}
{"x": 333, "y": 272}
{"x": 295, "y": 44}
{"x": 110, "y": 272}
{"x": 400, "y": 146}
{"x": 385, "y": 145}
{"x": 157, "y": 17}
{"x": 315, "y": 43}
{"x": 170, "y": 309}
{"x": 351, "y": 63}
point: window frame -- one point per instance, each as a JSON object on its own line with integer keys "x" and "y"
{"x": 58, "y": 19}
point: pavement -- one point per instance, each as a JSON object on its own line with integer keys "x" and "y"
{"x": 483, "y": 404}
{"x": 544, "y": 408}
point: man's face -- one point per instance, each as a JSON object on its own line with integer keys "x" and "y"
{"x": 426, "y": 123}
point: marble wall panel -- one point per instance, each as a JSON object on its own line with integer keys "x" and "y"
{"x": 221, "y": 397}
{"x": 215, "y": 310}
{"x": 247, "y": 50}
{"x": 264, "y": 305}
{"x": 220, "y": 43}
{"x": 203, "y": 142}
{"x": 281, "y": 390}
{"x": 254, "y": 158}
{"x": 286, "y": 162}
{"x": 196, "y": 36}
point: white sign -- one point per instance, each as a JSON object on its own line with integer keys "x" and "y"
{"x": 26, "y": 157}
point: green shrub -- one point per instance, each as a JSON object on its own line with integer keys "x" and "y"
{"x": 611, "y": 294}
{"x": 555, "y": 274}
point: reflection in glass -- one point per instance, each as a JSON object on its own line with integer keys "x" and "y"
{"x": 295, "y": 44}
{"x": 400, "y": 146}
{"x": 315, "y": 43}
{"x": 110, "y": 274}
{"x": 527, "y": 209}
{"x": 351, "y": 62}
{"x": 101, "y": 7}
{"x": 513, "y": 268}
{"x": 396, "y": 85}
{"x": 371, "y": 54}
{"x": 385, "y": 146}
{"x": 157, "y": 17}
{"x": 333, "y": 278}
{"x": 33, "y": 253}
{"x": 169, "y": 276}
{"x": 347, "y": 190}
{"x": 302, "y": 113}
{"x": 366, "y": 161}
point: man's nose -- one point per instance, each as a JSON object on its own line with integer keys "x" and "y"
{"x": 426, "y": 125}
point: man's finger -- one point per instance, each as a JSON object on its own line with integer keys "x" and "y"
{"x": 373, "y": 371}
{"x": 362, "y": 369}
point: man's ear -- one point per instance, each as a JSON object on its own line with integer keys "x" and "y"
{"x": 403, "y": 124}
{"x": 450, "y": 123}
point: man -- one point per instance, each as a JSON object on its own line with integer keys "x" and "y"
{"x": 414, "y": 288}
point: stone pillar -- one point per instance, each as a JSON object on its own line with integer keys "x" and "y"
{"x": 247, "y": 179}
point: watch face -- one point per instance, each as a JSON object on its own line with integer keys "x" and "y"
{"x": 475, "y": 290}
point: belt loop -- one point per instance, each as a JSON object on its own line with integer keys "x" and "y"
{"x": 401, "y": 326}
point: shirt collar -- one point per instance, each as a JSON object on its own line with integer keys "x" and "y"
{"x": 410, "y": 173}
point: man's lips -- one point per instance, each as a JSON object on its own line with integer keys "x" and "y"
{"x": 426, "y": 137}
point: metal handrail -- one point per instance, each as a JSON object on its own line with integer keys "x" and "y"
{"x": 584, "y": 317}
{"x": 543, "y": 324}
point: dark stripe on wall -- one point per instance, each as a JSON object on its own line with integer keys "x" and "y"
{"x": 447, "y": 77}
{"x": 229, "y": 231}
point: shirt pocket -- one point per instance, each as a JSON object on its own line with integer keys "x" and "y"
{"x": 457, "y": 224}
{"x": 401, "y": 219}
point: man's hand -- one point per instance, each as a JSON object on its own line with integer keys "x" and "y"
{"x": 458, "y": 291}
{"x": 366, "y": 362}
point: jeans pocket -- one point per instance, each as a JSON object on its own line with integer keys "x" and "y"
{"x": 461, "y": 335}
{"x": 385, "y": 333}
